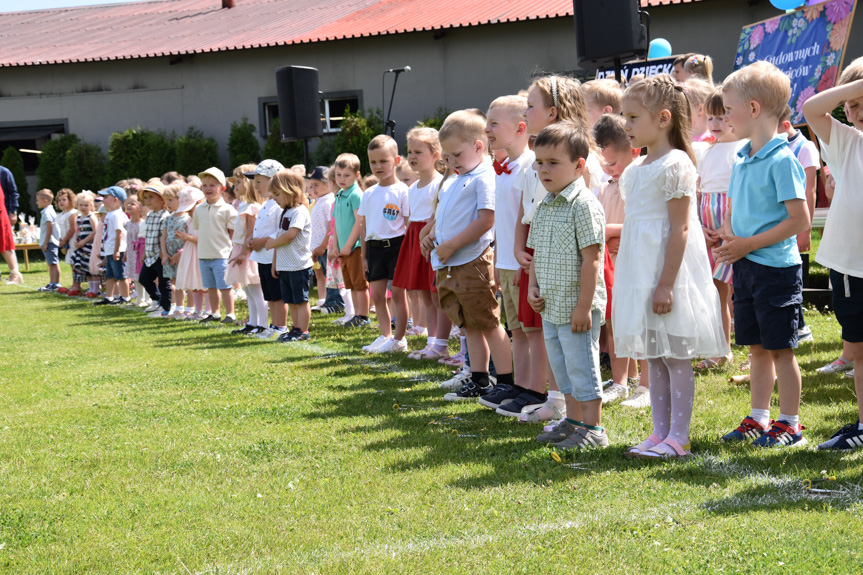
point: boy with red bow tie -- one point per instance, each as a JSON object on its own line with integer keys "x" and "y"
{"x": 507, "y": 131}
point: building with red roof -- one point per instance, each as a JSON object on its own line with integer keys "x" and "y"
{"x": 171, "y": 64}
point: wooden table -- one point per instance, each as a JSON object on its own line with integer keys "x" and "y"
{"x": 27, "y": 248}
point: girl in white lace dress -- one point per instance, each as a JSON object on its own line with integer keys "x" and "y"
{"x": 665, "y": 306}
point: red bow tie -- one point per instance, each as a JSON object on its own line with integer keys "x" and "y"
{"x": 501, "y": 168}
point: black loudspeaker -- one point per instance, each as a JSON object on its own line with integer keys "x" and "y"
{"x": 299, "y": 102}
{"x": 608, "y": 29}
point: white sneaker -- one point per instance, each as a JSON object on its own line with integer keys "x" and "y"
{"x": 343, "y": 320}
{"x": 640, "y": 398}
{"x": 377, "y": 343}
{"x": 156, "y": 313}
{"x": 266, "y": 333}
{"x": 153, "y": 307}
{"x": 804, "y": 335}
{"x": 550, "y": 410}
{"x": 457, "y": 381}
{"x": 144, "y": 303}
{"x": 837, "y": 366}
{"x": 394, "y": 345}
{"x": 614, "y": 392}
{"x": 321, "y": 302}
{"x": 849, "y": 374}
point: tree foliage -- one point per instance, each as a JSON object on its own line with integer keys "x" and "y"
{"x": 287, "y": 153}
{"x": 52, "y": 160}
{"x": 196, "y": 152}
{"x": 243, "y": 146}
{"x": 85, "y": 168}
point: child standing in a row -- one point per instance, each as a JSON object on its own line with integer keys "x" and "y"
{"x": 214, "y": 221}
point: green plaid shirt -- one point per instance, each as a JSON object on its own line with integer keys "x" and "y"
{"x": 563, "y": 225}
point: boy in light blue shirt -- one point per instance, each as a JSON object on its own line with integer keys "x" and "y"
{"x": 461, "y": 254}
{"x": 49, "y": 238}
{"x": 768, "y": 209}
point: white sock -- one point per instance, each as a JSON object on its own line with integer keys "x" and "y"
{"x": 349, "y": 303}
{"x": 860, "y": 426}
{"x": 556, "y": 398}
{"x": 441, "y": 344}
{"x": 462, "y": 343}
{"x": 430, "y": 341}
{"x": 762, "y": 416}
{"x": 792, "y": 420}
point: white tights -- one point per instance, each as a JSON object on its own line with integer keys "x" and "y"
{"x": 672, "y": 392}
{"x": 257, "y": 306}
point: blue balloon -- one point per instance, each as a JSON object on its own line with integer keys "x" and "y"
{"x": 659, "y": 48}
{"x": 787, "y": 4}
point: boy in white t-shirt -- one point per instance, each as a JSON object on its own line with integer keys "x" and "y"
{"x": 114, "y": 247}
{"x": 506, "y": 130}
{"x": 322, "y": 213}
{"x": 842, "y": 148}
{"x": 383, "y": 216}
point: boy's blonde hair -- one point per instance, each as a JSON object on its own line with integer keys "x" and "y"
{"x": 405, "y": 169}
{"x": 567, "y": 134}
{"x": 300, "y": 169}
{"x": 384, "y": 142}
{"x": 565, "y": 95}
{"x": 852, "y": 72}
{"x": 762, "y": 82}
{"x": 194, "y": 181}
{"x": 68, "y": 194}
{"x": 464, "y": 125}
{"x": 603, "y": 92}
{"x": 243, "y": 186}
{"x": 699, "y": 65}
{"x": 514, "y": 106}
{"x": 45, "y": 193}
{"x": 426, "y": 135}
{"x": 349, "y": 161}
{"x": 658, "y": 93}
{"x": 291, "y": 185}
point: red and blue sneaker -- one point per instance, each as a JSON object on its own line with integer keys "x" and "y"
{"x": 748, "y": 429}
{"x": 781, "y": 435}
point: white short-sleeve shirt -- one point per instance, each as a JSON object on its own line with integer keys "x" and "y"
{"x": 386, "y": 210}
{"x": 297, "y": 254}
{"x": 506, "y": 202}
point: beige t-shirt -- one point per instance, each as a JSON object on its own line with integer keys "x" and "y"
{"x": 213, "y": 222}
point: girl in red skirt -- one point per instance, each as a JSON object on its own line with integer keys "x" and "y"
{"x": 413, "y": 271}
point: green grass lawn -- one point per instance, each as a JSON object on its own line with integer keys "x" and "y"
{"x": 137, "y": 445}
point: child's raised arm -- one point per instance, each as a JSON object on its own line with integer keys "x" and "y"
{"x": 818, "y": 108}
{"x": 678, "y": 218}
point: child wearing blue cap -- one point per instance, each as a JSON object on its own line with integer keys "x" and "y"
{"x": 114, "y": 247}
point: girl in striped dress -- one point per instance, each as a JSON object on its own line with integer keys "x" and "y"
{"x": 86, "y": 223}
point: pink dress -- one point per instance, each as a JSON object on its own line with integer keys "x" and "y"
{"x": 246, "y": 273}
{"x": 188, "y": 271}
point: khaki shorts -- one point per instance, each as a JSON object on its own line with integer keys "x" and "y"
{"x": 467, "y": 293}
{"x": 510, "y": 300}
{"x": 352, "y": 271}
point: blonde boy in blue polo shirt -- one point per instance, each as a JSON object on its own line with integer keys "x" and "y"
{"x": 460, "y": 246}
{"x": 566, "y": 286}
{"x": 768, "y": 209}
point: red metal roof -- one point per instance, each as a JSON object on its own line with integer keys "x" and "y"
{"x": 178, "y": 27}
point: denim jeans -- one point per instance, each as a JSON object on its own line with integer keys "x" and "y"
{"x": 574, "y": 358}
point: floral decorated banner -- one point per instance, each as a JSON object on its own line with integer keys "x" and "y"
{"x": 807, "y": 44}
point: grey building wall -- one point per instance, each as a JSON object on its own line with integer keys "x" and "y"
{"x": 458, "y": 68}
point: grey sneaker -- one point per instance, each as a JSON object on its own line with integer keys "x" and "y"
{"x": 584, "y": 438}
{"x": 557, "y": 433}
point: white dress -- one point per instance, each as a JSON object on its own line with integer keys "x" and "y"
{"x": 693, "y": 328}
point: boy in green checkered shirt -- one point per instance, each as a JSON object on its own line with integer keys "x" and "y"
{"x": 566, "y": 286}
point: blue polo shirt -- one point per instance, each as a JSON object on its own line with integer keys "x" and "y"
{"x": 458, "y": 207}
{"x": 760, "y": 186}
{"x": 347, "y": 202}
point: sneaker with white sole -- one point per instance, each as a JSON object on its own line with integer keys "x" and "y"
{"x": 584, "y": 438}
{"x": 804, "y": 335}
{"x": 557, "y": 432}
{"x": 470, "y": 391}
{"x": 614, "y": 392}
{"x": 781, "y": 435}
{"x": 837, "y": 366}
{"x": 377, "y": 343}
{"x": 526, "y": 401}
{"x": 266, "y": 333}
{"x": 457, "y": 381}
{"x": 152, "y": 307}
{"x": 639, "y": 399}
{"x": 394, "y": 345}
{"x": 847, "y": 438}
{"x": 158, "y": 313}
{"x": 849, "y": 374}
{"x": 549, "y": 411}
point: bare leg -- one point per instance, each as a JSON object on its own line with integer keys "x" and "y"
{"x": 429, "y": 313}
{"x": 762, "y": 377}
{"x": 361, "y": 301}
{"x": 619, "y": 365}
{"x": 855, "y": 351}
{"x": 540, "y": 373}
{"x": 379, "y": 293}
{"x": 213, "y": 296}
{"x": 790, "y": 384}
{"x": 400, "y": 303}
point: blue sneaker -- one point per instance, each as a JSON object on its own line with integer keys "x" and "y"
{"x": 781, "y": 435}
{"x": 748, "y": 429}
{"x": 847, "y": 438}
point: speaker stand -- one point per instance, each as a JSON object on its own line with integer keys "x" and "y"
{"x": 306, "y": 153}
{"x": 618, "y": 71}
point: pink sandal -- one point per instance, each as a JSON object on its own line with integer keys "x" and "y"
{"x": 649, "y": 443}
{"x": 428, "y": 352}
{"x": 670, "y": 448}
{"x": 455, "y": 361}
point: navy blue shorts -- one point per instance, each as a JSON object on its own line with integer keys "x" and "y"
{"x": 295, "y": 285}
{"x": 114, "y": 270}
{"x": 269, "y": 285}
{"x": 848, "y": 305}
{"x": 767, "y": 304}
{"x": 322, "y": 260}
